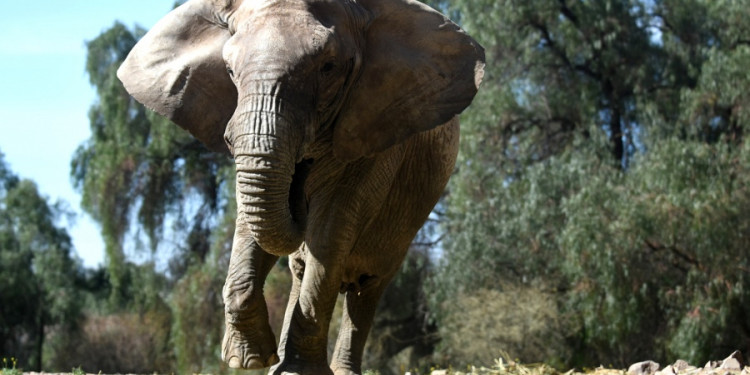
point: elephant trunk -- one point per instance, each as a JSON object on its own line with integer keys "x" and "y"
{"x": 266, "y": 148}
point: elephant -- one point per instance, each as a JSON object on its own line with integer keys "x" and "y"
{"x": 341, "y": 117}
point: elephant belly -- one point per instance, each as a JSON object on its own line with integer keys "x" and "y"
{"x": 429, "y": 161}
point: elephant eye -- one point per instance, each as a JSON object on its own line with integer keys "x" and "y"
{"x": 230, "y": 71}
{"x": 328, "y": 67}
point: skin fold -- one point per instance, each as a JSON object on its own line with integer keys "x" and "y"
{"x": 341, "y": 118}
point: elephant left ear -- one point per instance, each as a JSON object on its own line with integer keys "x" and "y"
{"x": 419, "y": 70}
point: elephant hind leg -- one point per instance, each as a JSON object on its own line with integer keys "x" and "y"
{"x": 295, "y": 358}
{"x": 380, "y": 249}
{"x": 359, "y": 311}
{"x": 364, "y": 281}
{"x": 297, "y": 269}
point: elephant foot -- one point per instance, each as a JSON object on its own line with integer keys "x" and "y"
{"x": 250, "y": 349}
{"x": 299, "y": 368}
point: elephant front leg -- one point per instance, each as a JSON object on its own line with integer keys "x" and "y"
{"x": 305, "y": 336}
{"x": 248, "y": 341}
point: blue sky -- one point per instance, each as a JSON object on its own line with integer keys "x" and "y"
{"x": 45, "y": 94}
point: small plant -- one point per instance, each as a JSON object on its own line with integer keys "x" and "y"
{"x": 77, "y": 371}
{"x": 12, "y": 370}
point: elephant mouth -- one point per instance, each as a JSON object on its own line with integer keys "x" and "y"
{"x": 298, "y": 203}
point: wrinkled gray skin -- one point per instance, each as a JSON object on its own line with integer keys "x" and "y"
{"x": 340, "y": 115}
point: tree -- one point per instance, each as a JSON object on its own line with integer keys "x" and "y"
{"x": 150, "y": 184}
{"x": 402, "y": 336}
{"x": 139, "y": 168}
{"x": 38, "y": 273}
{"x": 603, "y": 161}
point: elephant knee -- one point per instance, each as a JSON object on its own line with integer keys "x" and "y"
{"x": 241, "y": 298}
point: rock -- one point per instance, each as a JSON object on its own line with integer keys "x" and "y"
{"x": 669, "y": 370}
{"x": 733, "y": 362}
{"x": 730, "y": 364}
{"x": 711, "y": 365}
{"x": 681, "y": 365}
{"x": 643, "y": 368}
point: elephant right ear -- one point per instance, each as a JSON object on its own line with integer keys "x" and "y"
{"x": 178, "y": 71}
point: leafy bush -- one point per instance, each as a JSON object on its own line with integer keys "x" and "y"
{"x": 118, "y": 343}
{"x": 520, "y": 322}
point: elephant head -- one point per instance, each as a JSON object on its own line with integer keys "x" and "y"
{"x": 263, "y": 79}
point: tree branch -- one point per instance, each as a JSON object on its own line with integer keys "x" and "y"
{"x": 547, "y": 38}
{"x": 428, "y": 243}
{"x": 568, "y": 13}
{"x": 741, "y": 42}
{"x": 655, "y": 246}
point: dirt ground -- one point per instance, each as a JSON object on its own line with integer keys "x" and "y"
{"x": 732, "y": 365}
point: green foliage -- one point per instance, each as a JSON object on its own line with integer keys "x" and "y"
{"x": 139, "y": 168}
{"x": 9, "y": 367}
{"x": 119, "y": 343}
{"x": 402, "y": 335}
{"x": 196, "y": 300}
{"x": 198, "y": 325}
{"x": 605, "y": 161}
{"x": 38, "y": 273}
{"x": 522, "y": 323}
{"x": 139, "y": 337}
